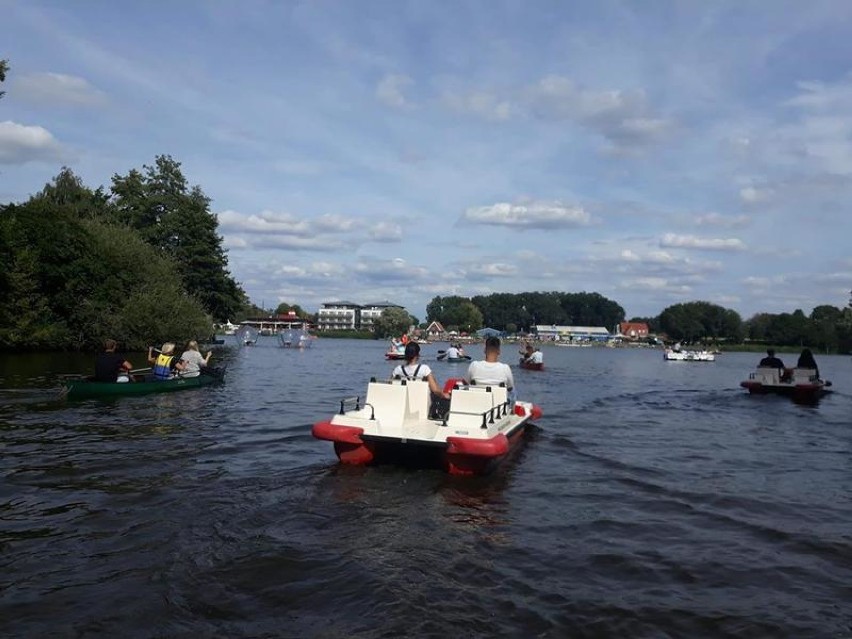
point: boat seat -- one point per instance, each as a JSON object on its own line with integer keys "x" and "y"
{"x": 767, "y": 375}
{"x": 419, "y": 397}
{"x": 388, "y": 400}
{"x": 467, "y": 406}
{"x": 804, "y": 375}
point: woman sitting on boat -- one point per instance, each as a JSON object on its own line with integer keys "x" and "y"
{"x": 165, "y": 363}
{"x": 806, "y": 360}
{"x": 414, "y": 370}
{"x": 193, "y": 361}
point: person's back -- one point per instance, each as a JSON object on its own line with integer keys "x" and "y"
{"x": 537, "y": 357}
{"x": 770, "y": 361}
{"x": 453, "y": 352}
{"x": 109, "y": 365}
{"x": 193, "y": 361}
{"x": 807, "y": 361}
{"x": 490, "y": 370}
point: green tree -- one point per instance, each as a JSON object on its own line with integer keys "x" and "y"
{"x": 158, "y": 203}
{"x": 694, "y": 321}
{"x": 4, "y": 67}
{"x": 284, "y": 308}
{"x": 392, "y": 322}
{"x": 72, "y": 280}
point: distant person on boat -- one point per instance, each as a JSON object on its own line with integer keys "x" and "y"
{"x": 165, "y": 364}
{"x": 490, "y": 370}
{"x": 414, "y": 370}
{"x": 193, "y": 361}
{"x": 526, "y": 352}
{"x": 455, "y": 352}
{"x": 806, "y": 360}
{"x": 110, "y": 366}
{"x": 536, "y": 357}
{"x": 770, "y": 361}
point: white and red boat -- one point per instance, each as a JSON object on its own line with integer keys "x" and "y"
{"x": 802, "y": 384}
{"x": 397, "y": 422}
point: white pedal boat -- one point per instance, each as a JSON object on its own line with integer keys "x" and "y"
{"x": 802, "y": 384}
{"x": 397, "y": 423}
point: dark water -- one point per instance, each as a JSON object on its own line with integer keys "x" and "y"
{"x": 655, "y": 499}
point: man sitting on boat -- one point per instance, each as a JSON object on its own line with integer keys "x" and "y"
{"x": 770, "y": 361}
{"x": 166, "y": 365}
{"x": 453, "y": 352}
{"x": 491, "y": 370}
{"x": 110, "y": 366}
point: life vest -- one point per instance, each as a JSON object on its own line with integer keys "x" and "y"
{"x": 163, "y": 366}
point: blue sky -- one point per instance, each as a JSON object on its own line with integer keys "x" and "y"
{"x": 654, "y": 152}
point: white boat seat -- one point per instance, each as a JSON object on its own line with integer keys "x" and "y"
{"x": 766, "y": 375}
{"x": 803, "y": 375}
{"x": 419, "y": 397}
{"x": 467, "y": 406}
{"x": 388, "y": 401}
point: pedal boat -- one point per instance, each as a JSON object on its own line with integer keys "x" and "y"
{"x": 670, "y": 355}
{"x": 397, "y": 423}
{"x": 802, "y": 384}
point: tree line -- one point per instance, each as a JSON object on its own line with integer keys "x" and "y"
{"x": 141, "y": 262}
{"x": 827, "y": 328}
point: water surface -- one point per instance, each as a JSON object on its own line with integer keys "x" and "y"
{"x": 653, "y": 499}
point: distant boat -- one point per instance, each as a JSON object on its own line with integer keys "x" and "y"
{"x": 671, "y": 355}
{"x": 801, "y": 384}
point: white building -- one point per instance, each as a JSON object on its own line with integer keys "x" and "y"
{"x": 339, "y": 316}
{"x": 371, "y": 312}
{"x": 573, "y": 333}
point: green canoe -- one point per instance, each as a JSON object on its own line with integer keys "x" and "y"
{"x": 143, "y": 385}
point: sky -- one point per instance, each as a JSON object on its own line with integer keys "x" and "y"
{"x": 655, "y": 152}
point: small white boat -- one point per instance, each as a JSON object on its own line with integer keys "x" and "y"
{"x": 671, "y": 355}
{"x": 398, "y": 421}
{"x": 802, "y": 384}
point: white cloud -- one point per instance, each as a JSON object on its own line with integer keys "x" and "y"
{"x": 390, "y": 89}
{"x": 57, "y": 88}
{"x": 266, "y": 222}
{"x": 479, "y": 103}
{"x": 385, "y": 232}
{"x": 490, "y": 269}
{"x": 722, "y": 221}
{"x": 623, "y": 117}
{"x": 20, "y": 143}
{"x": 538, "y": 215}
{"x": 671, "y": 240}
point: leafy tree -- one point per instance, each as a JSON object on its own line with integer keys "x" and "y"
{"x": 176, "y": 219}
{"x": 393, "y": 321}
{"x": 4, "y": 67}
{"x": 694, "y": 321}
{"x": 71, "y": 281}
{"x": 284, "y": 308}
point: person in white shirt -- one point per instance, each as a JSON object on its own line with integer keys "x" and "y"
{"x": 536, "y": 357}
{"x": 193, "y": 361}
{"x": 490, "y": 370}
{"x": 414, "y": 370}
{"x": 453, "y": 352}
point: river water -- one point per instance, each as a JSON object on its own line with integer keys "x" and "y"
{"x": 653, "y": 499}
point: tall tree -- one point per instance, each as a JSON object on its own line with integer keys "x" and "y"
{"x": 159, "y": 204}
{"x": 393, "y": 321}
{"x": 4, "y": 67}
